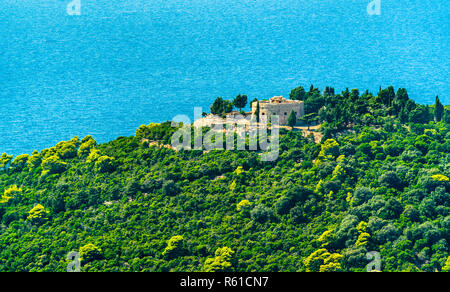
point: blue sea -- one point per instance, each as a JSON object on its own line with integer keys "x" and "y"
{"x": 124, "y": 63}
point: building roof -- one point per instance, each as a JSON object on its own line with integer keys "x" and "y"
{"x": 279, "y": 100}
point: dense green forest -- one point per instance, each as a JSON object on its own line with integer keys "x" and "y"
{"x": 378, "y": 181}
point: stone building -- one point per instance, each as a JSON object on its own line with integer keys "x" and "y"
{"x": 280, "y": 106}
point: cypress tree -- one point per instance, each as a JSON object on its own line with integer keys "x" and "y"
{"x": 292, "y": 119}
{"x": 438, "y": 110}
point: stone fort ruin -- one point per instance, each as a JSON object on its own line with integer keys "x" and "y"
{"x": 279, "y": 106}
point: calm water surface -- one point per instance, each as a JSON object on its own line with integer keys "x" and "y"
{"x": 118, "y": 66}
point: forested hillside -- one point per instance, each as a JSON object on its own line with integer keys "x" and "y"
{"x": 378, "y": 181}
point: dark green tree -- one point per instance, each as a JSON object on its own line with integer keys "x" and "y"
{"x": 402, "y": 95}
{"x": 227, "y": 106}
{"x": 221, "y": 106}
{"x": 387, "y": 95}
{"x": 217, "y": 106}
{"x": 240, "y": 101}
{"x": 298, "y": 93}
{"x": 257, "y": 110}
{"x": 292, "y": 119}
{"x": 438, "y": 110}
{"x": 5, "y": 159}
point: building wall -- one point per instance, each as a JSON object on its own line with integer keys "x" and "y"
{"x": 266, "y": 109}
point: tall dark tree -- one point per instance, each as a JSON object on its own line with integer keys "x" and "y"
{"x": 313, "y": 90}
{"x": 298, "y": 93}
{"x": 257, "y": 111}
{"x": 221, "y": 106}
{"x": 400, "y": 100}
{"x": 387, "y": 95}
{"x": 346, "y": 93}
{"x": 240, "y": 101}
{"x": 292, "y": 119}
{"x": 227, "y": 106}
{"x": 354, "y": 94}
{"x": 328, "y": 91}
{"x": 438, "y": 110}
{"x": 391, "y": 95}
{"x": 402, "y": 95}
{"x": 217, "y": 106}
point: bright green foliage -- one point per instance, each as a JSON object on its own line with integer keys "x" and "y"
{"x": 363, "y": 235}
{"x": 332, "y": 263}
{"x": 34, "y": 160}
{"x": 325, "y": 238}
{"x": 37, "y": 214}
{"x": 156, "y": 132}
{"x": 446, "y": 268}
{"x": 90, "y": 252}
{"x": 93, "y": 156}
{"x": 329, "y": 149}
{"x": 221, "y": 262}
{"x": 244, "y": 204}
{"x": 104, "y": 164}
{"x": 53, "y": 164}
{"x": 233, "y": 185}
{"x": 239, "y": 170}
{"x": 362, "y": 239}
{"x": 9, "y": 193}
{"x": 67, "y": 150}
{"x": 323, "y": 261}
{"x": 362, "y": 227}
{"x": 5, "y": 159}
{"x": 175, "y": 247}
{"x": 20, "y": 162}
{"x": 440, "y": 177}
{"x": 338, "y": 172}
{"x": 377, "y": 181}
{"x": 87, "y": 144}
